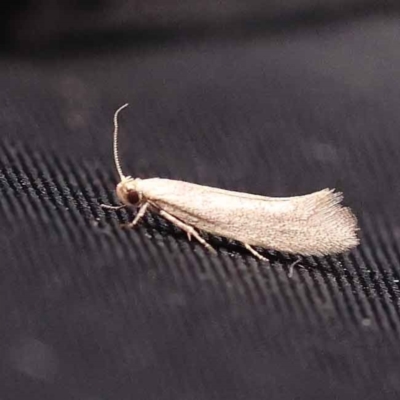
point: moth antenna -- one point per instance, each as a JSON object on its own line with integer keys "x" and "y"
{"x": 116, "y": 155}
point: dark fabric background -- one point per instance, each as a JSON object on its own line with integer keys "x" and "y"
{"x": 278, "y": 103}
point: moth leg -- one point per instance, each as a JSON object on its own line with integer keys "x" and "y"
{"x": 291, "y": 267}
{"x": 255, "y": 252}
{"x": 107, "y": 207}
{"x": 190, "y": 231}
{"x": 139, "y": 215}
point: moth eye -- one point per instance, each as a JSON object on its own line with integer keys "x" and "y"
{"x": 133, "y": 197}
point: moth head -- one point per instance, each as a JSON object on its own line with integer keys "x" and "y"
{"x": 127, "y": 191}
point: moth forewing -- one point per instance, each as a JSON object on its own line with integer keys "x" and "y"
{"x": 313, "y": 224}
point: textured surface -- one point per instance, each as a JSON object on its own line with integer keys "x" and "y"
{"x": 90, "y": 311}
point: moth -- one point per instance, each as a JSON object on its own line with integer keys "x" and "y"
{"x": 315, "y": 224}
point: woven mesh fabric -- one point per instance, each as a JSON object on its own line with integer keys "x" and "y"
{"x": 91, "y": 311}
